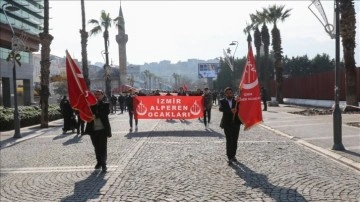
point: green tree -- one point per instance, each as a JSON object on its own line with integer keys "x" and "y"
{"x": 321, "y": 63}
{"x": 273, "y": 14}
{"x": 348, "y": 33}
{"x": 105, "y": 23}
{"x": 225, "y": 73}
{"x": 296, "y": 66}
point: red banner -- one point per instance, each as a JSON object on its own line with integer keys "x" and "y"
{"x": 168, "y": 107}
{"x": 79, "y": 96}
{"x": 250, "y": 103}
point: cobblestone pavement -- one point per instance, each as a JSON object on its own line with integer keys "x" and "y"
{"x": 172, "y": 161}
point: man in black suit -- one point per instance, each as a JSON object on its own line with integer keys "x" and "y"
{"x": 99, "y": 129}
{"x": 230, "y": 122}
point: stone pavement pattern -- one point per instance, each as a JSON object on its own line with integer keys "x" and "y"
{"x": 172, "y": 161}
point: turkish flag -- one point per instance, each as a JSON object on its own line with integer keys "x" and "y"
{"x": 249, "y": 103}
{"x": 185, "y": 87}
{"x": 79, "y": 96}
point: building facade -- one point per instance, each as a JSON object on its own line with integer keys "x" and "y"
{"x": 20, "y": 30}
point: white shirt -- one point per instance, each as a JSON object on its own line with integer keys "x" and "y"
{"x": 230, "y": 103}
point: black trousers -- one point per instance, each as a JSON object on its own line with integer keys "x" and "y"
{"x": 131, "y": 116}
{"x": 122, "y": 107}
{"x": 80, "y": 125}
{"x": 265, "y": 104}
{"x": 207, "y": 114}
{"x": 232, "y": 136}
{"x": 99, "y": 141}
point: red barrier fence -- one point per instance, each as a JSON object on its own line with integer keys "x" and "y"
{"x": 316, "y": 87}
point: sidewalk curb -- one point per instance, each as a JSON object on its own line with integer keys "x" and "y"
{"x": 27, "y": 137}
{"x": 325, "y": 152}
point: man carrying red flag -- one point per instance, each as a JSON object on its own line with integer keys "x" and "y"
{"x": 80, "y": 97}
{"x": 249, "y": 96}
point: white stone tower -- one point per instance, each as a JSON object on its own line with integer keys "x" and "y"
{"x": 122, "y": 39}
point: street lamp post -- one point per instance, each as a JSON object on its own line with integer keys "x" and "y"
{"x": 232, "y": 44}
{"x": 329, "y": 29}
{"x": 14, "y": 56}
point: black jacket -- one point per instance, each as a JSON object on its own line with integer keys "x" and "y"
{"x": 100, "y": 110}
{"x": 228, "y": 117}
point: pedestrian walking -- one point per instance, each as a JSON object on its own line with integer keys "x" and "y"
{"x": 68, "y": 115}
{"x": 121, "y": 100}
{"x": 264, "y": 97}
{"x": 113, "y": 103}
{"x": 99, "y": 129}
{"x": 208, "y": 102}
{"x": 230, "y": 122}
{"x": 130, "y": 106}
{"x": 214, "y": 96}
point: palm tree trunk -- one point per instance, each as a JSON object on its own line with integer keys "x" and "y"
{"x": 257, "y": 43}
{"x": 347, "y": 31}
{"x": 107, "y": 67}
{"x": 265, "y": 36}
{"x": 84, "y": 37}
{"x": 277, "y": 64}
{"x": 45, "y": 40}
{"x": 106, "y": 39}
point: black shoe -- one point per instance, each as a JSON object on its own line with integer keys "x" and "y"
{"x": 232, "y": 160}
{"x": 104, "y": 169}
{"x": 98, "y": 166}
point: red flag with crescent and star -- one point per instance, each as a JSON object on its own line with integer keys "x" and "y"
{"x": 249, "y": 103}
{"x": 79, "y": 96}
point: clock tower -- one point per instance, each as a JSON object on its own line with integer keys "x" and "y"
{"x": 122, "y": 39}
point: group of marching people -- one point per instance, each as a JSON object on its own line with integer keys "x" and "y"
{"x": 99, "y": 128}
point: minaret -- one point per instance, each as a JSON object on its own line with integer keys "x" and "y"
{"x": 122, "y": 39}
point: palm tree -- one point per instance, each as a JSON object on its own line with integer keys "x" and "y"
{"x": 84, "y": 37}
{"x": 147, "y": 76}
{"x": 265, "y": 38}
{"x": 273, "y": 14}
{"x": 105, "y": 22}
{"x": 257, "y": 42}
{"x": 45, "y": 40}
{"x": 347, "y": 32}
{"x": 176, "y": 78}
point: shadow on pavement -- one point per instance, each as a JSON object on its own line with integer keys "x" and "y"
{"x": 351, "y": 153}
{"x": 88, "y": 188}
{"x": 194, "y": 133}
{"x": 61, "y": 136}
{"x": 260, "y": 181}
{"x": 76, "y": 139}
{"x": 11, "y": 139}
